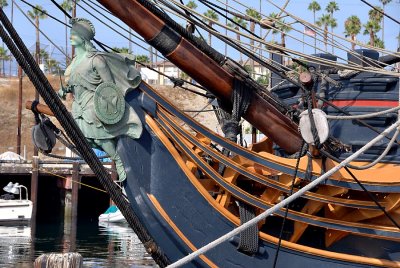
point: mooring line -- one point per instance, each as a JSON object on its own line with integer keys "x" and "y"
{"x": 81, "y": 183}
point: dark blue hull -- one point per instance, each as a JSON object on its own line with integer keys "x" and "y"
{"x": 181, "y": 218}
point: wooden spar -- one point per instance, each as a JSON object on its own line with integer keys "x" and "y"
{"x": 44, "y": 109}
{"x": 261, "y": 114}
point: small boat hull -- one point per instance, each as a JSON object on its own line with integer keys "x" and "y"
{"x": 113, "y": 215}
{"x": 15, "y": 210}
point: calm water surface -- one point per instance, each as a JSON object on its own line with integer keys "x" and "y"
{"x": 109, "y": 245}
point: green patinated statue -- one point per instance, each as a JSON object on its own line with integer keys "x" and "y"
{"x": 99, "y": 82}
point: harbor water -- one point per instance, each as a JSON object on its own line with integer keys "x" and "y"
{"x": 101, "y": 245}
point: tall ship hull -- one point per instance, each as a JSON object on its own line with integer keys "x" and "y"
{"x": 311, "y": 193}
{"x": 185, "y": 203}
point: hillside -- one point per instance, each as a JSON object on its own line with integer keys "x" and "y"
{"x": 9, "y": 111}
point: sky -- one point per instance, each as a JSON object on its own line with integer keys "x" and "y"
{"x": 56, "y": 31}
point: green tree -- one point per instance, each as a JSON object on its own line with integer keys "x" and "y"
{"x": 37, "y": 13}
{"x": 274, "y": 16}
{"x": 189, "y": 25}
{"x": 325, "y": 21}
{"x": 191, "y": 5}
{"x": 384, "y": 3}
{"x": 3, "y": 3}
{"x": 253, "y": 17}
{"x": 213, "y": 16}
{"x": 43, "y": 56}
{"x": 142, "y": 58}
{"x": 184, "y": 76}
{"x": 4, "y": 56}
{"x": 263, "y": 80}
{"x": 371, "y": 28}
{"x": 284, "y": 29}
{"x": 314, "y": 7}
{"x": 376, "y": 14}
{"x": 52, "y": 66}
{"x": 352, "y": 27}
{"x": 121, "y": 50}
{"x": 378, "y": 42}
{"x": 331, "y": 8}
{"x": 240, "y": 23}
{"x": 67, "y": 6}
{"x": 280, "y": 27}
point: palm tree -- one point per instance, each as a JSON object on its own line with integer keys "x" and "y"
{"x": 4, "y": 56}
{"x": 352, "y": 27}
{"x": 314, "y": 7}
{"x": 273, "y": 18}
{"x": 324, "y": 21}
{"x": 52, "y": 65}
{"x": 253, "y": 17}
{"x": 124, "y": 50}
{"x": 212, "y": 17}
{"x": 43, "y": 56}
{"x": 37, "y": 14}
{"x": 331, "y": 8}
{"x": 371, "y": 28}
{"x": 384, "y": 3}
{"x": 67, "y": 6}
{"x": 283, "y": 28}
{"x": 240, "y": 23}
{"x": 190, "y": 26}
{"x": 378, "y": 42}
{"x": 191, "y": 5}
{"x": 376, "y": 14}
{"x": 142, "y": 58}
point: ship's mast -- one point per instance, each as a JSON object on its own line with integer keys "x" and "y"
{"x": 180, "y": 51}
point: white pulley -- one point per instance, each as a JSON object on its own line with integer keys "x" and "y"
{"x": 321, "y": 124}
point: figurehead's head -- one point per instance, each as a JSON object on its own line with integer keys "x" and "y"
{"x": 83, "y": 27}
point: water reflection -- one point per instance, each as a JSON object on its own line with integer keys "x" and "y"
{"x": 107, "y": 245}
{"x": 124, "y": 247}
{"x": 15, "y": 241}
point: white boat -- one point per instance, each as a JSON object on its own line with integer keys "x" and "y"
{"x": 112, "y": 214}
{"x": 15, "y": 210}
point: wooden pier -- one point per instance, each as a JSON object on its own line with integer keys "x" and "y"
{"x": 59, "y": 178}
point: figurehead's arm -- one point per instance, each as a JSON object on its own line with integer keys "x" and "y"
{"x": 102, "y": 68}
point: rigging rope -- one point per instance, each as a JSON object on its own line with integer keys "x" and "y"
{"x": 383, "y": 13}
{"x": 34, "y": 25}
{"x": 373, "y": 198}
{"x": 333, "y": 34}
{"x": 287, "y": 206}
{"x": 289, "y": 25}
{"x": 305, "y": 57}
{"x": 362, "y": 116}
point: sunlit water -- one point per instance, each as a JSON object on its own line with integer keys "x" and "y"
{"x": 109, "y": 245}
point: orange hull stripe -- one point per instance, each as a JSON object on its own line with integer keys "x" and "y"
{"x": 160, "y": 210}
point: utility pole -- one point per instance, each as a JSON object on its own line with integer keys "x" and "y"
{"x": 73, "y": 16}
{"x": 19, "y": 110}
{"x": 12, "y": 22}
{"x": 37, "y": 58}
{"x": 226, "y": 23}
{"x": 130, "y": 42}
